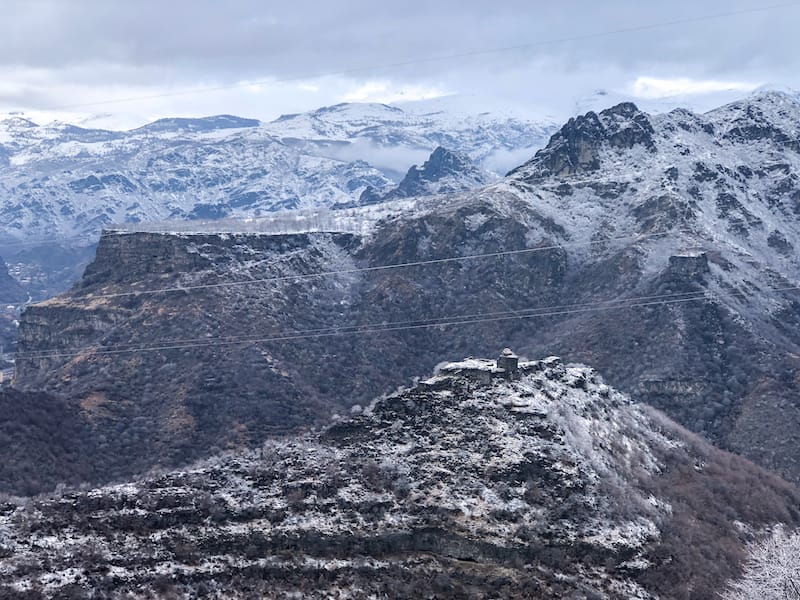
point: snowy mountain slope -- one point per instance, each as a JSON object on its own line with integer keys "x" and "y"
{"x": 476, "y": 482}
{"x": 59, "y": 180}
{"x": 725, "y": 181}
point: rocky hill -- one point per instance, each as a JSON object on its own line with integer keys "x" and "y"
{"x": 658, "y": 248}
{"x": 534, "y": 480}
{"x": 445, "y": 172}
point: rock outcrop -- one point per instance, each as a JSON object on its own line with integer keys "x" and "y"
{"x": 445, "y": 172}
{"x": 11, "y": 291}
{"x": 550, "y": 485}
{"x": 577, "y": 147}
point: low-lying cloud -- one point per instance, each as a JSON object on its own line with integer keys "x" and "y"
{"x": 654, "y": 87}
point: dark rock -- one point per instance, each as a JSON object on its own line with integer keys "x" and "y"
{"x": 691, "y": 265}
{"x": 778, "y": 241}
{"x": 445, "y": 172}
{"x": 576, "y": 147}
{"x": 583, "y": 495}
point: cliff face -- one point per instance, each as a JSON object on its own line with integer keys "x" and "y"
{"x": 11, "y": 291}
{"x": 166, "y": 395}
{"x": 11, "y": 295}
{"x": 549, "y": 484}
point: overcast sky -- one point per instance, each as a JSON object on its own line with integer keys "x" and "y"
{"x": 291, "y": 56}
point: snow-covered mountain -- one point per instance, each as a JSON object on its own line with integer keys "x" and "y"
{"x": 60, "y": 181}
{"x": 533, "y": 480}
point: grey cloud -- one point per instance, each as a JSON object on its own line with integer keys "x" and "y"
{"x": 206, "y": 42}
{"x": 246, "y": 38}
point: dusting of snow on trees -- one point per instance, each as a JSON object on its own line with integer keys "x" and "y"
{"x": 772, "y": 571}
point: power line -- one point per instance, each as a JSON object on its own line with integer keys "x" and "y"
{"x": 387, "y": 267}
{"x": 295, "y": 337}
{"x": 345, "y": 328}
{"x": 432, "y": 59}
{"x": 419, "y": 263}
{"x": 644, "y": 301}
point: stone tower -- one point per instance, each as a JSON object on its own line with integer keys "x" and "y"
{"x": 508, "y": 361}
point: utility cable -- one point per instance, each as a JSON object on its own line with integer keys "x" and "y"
{"x": 355, "y": 327}
{"x": 457, "y": 320}
{"x": 387, "y": 267}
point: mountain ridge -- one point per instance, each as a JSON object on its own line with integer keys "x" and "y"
{"x": 444, "y": 172}
{"x": 173, "y": 167}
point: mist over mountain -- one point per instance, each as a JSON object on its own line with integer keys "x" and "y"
{"x": 445, "y": 172}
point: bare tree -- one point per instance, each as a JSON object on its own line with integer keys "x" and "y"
{"x": 772, "y": 571}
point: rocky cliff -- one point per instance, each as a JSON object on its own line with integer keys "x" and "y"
{"x": 12, "y": 295}
{"x": 445, "y": 172}
{"x": 478, "y": 482}
{"x": 213, "y": 365}
{"x": 11, "y": 291}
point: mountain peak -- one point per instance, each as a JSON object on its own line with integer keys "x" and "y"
{"x": 443, "y": 161}
{"x": 767, "y": 115}
{"x": 767, "y": 100}
{"x": 773, "y": 97}
{"x": 578, "y": 146}
{"x": 18, "y": 123}
{"x": 444, "y": 172}
{"x": 626, "y": 110}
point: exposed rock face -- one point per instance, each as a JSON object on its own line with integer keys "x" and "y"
{"x": 188, "y": 390}
{"x": 692, "y": 265}
{"x": 549, "y": 486}
{"x": 11, "y": 295}
{"x": 10, "y": 290}
{"x": 445, "y": 172}
{"x": 166, "y": 407}
{"x": 47, "y": 269}
{"x": 577, "y": 147}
